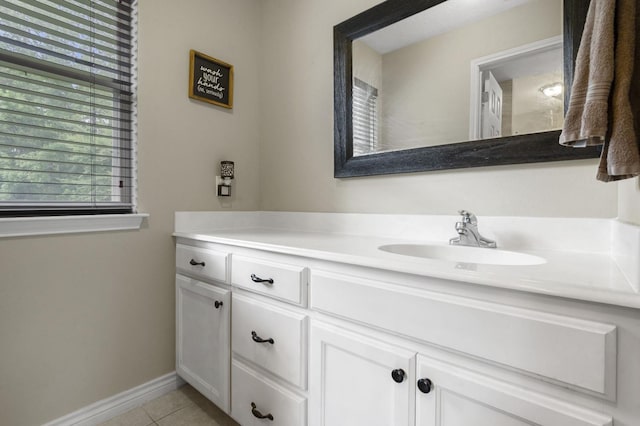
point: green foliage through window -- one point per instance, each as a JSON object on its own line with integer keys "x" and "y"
{"x": 66, "y": 105}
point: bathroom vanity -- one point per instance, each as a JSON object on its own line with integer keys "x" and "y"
{"x": 301, "y": 319}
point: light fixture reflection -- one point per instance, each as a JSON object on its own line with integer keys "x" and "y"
{"x": 552, "y": 90}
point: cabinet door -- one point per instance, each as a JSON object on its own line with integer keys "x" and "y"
{"x": 356, "y": 380}
{"x": 203, "y": 338}
{"x": 455, "y": 396}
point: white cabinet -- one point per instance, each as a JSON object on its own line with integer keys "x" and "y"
{"x": 326, "y": 344}
{"x": 203, "y": 338}
{"x": 576, "y": 352}
{"x": 355, "y": 380}
{"x": 360, "y": 379}
{"x": 450, "y": 395}
{"x": 269, "y": 341}
{"x": 350, "y": 371}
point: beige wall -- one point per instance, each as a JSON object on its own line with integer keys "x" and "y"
{"x": 629, "y": 201}
{"x": 297, "y": 142}
{"x": 367, "y": 64}
{"x": 83, "y": 317}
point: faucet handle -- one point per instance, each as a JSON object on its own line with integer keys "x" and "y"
{"x": 468, "y": 217}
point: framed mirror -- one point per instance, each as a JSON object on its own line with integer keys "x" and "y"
{"x": 424, "y": 85}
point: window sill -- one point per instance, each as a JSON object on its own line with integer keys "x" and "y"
{"x": 49, "y": 225}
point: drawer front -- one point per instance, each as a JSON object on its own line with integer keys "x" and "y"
{"x": 577, "y": 352}
{"x": 278, "y": 280}
{"x": 253, "y": 396}
{"x": 202, "y": 263}
{"x": 271, "y": 337}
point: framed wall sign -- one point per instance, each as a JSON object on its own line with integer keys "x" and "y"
{"x": 210, "y": 80}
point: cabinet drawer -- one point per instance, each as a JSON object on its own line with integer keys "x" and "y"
{"x": 253, "y": 395}
{"x": 286, "y": 357}
{"x": 577, "y": 352}
{"x": 278, "y": 280}
{"x": 202, "y": 263}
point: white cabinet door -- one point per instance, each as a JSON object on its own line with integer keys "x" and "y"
{"x": 356, "y": 380}
{"x": 455, "y": 396}
{"x": 203, "y": 338}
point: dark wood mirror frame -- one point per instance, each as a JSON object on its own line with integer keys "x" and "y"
{"x": 531, "y": 148}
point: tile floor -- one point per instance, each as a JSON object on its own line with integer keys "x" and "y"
{"x": 182, "y": 407}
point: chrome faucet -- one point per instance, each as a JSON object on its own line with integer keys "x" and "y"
{"x": 468, "y": 234}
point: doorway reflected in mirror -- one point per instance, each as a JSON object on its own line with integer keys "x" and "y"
{"x": 525, "y": 86}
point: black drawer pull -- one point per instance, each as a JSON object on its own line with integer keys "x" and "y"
{"x": 194, "y": 263}
{"x": 258, "y": 339}
{"x": 258, "y": 414}
{"x": 257, "y": 279}
{"x": 217, "y": 304}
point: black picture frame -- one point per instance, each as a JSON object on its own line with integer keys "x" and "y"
{"x": 520, "y": 149}
{"x": 210, "y": 80}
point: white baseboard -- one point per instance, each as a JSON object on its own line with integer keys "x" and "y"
{"x": 108, "y": 408}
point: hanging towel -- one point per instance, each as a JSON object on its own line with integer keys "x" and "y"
{"x": 600, "y": 110}
{"x": 635, "y": 80}
{"x": 586, "y": 120}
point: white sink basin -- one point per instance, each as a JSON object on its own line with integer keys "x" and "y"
{"x": 464, "y": 254}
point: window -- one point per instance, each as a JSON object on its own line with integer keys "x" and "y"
{"x": 67, "y": 107}
{"x": 365, "y": 117}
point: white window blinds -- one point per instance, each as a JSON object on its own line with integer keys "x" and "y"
{"x": 365, "y": 117}
{"x": 67, "y": 106}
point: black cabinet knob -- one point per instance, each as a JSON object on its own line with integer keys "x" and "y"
{"x": 194, "y": 263}
{"x": 217, "y": 304}
{"x": 398, "y": 375}
{"x": 425, "y": 385}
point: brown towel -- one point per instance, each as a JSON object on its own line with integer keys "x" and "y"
{"x": 634, "y": 92}
{"x": 600, "y": 109}
{"x": 586, "y": 120}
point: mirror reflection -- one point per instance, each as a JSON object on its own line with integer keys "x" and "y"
{"x": 462, "y": 70}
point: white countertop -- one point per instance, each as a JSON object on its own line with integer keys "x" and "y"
{"x": 584, "y": 275}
